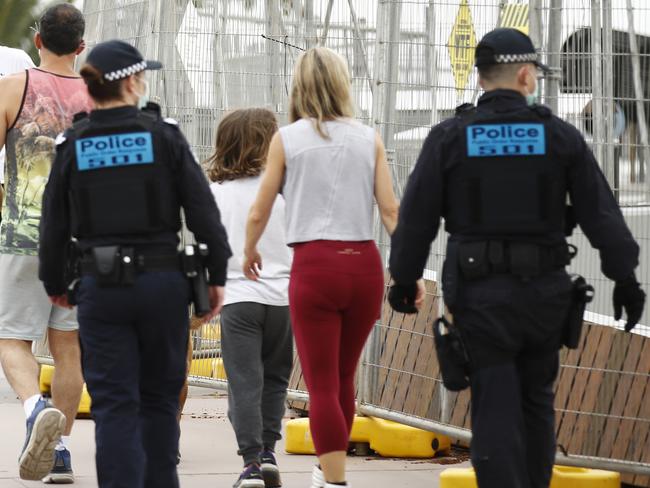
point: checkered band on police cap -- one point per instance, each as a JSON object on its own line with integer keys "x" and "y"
{"x": 515, "y": 58}
{"x": 125, "y": 72}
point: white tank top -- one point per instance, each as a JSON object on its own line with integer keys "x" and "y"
{"x": 329, "y": 183}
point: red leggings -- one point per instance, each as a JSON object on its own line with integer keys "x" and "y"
{"x": 335, "y": 297}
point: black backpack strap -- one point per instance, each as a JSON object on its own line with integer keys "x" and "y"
{"x": 542, "y": 110}
{"x": 149, "y": 116}
{"x": 465, "y": 110}
{"x": 79, "y": 116}
{"x": 81, "y": 121}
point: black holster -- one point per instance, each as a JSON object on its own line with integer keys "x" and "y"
{"x": 452, "y": 355}
{"x": 581, "y": 294}
{"x": 113, "y": 265}
{"x": 450, "y": 275}
{"x": 194, "y": 267}
{"x": 72, "y": 271}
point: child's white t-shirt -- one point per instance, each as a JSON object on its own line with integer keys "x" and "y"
{"x": 234, "y": 199}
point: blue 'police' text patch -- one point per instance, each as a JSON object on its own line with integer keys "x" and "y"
{"x": 505, "y": 140}
{"x": 114, "y": 150}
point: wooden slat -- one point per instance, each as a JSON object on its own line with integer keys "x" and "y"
{"x": 389, "y": 398}
{"x": 412, "y": 386}
{"x": 621, "y": 394}
{"x": 389, "y": 349}
{"x": 632, "y": 406}
{"x": 584, "y": 438}
{"x": 566, "y": 378}
{"x": 637, "y": 447}
{"x": 565, "y": 434}
{"x": 460, "y": 415}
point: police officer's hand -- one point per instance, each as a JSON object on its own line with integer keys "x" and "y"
{"x": 421, "y": 294}
{"x": 252, "y": 264}
{"x": 217, "y": 296}
{"x": 628, "y": 295}
{"x": 61, "y": 301}
{"x": 407, "y": 298}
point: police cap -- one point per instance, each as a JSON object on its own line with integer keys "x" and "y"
{"x": 118, "y": 59}
{"x": 504, "y": 46}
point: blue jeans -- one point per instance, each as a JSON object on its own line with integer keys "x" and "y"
{"x": 134, "y": 344}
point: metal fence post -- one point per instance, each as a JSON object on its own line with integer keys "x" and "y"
{"x": 610, "y": 164}
{"x": 432, "y": 56}
{"x": 384, "y": 83}
{"x": 596, "y": 81}
{"x": 553, "y": 55}
{"x": 638, "y": 88}
{"x": 535, "y": 21}
{"x": 274, "y": 60}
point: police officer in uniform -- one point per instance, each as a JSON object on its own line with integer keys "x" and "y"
{"x": 118, "y": 183}
{"x": 499, "y": 173}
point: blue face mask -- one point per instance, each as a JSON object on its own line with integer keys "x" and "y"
{"x": 532, "y": 98}
{"x": 144, "y": 98}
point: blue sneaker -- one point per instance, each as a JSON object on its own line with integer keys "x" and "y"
{"x": 250, "y": 478}
{"x": 61, "y": 473}
{"x": 44, "y": 429}
{"x": 270, "y": 470}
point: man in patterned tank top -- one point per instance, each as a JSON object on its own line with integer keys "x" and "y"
{"x": 37, "y": 105}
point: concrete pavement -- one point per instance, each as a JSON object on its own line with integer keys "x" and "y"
{"x": 208, "y": 449}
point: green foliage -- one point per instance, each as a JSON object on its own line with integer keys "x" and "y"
{"x": 16, "y": 19}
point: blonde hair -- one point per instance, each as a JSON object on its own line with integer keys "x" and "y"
{"x": 242, "y": 144}
{"x": 321, "y": 88}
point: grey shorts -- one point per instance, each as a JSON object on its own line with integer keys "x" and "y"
{"x": 25, "y": 309}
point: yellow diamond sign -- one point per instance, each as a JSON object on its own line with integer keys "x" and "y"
{"x": 461, "y": 44}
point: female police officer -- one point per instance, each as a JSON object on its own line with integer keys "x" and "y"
{"x": 119, "y": 180}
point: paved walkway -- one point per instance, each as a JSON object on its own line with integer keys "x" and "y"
{"x": 209, "y": 457}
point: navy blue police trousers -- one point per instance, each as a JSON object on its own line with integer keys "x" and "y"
{"x": 134, "y": 347}
{"x": 513, "y": 331}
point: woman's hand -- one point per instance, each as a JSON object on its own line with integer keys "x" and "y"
{"x": 252, "y": 264}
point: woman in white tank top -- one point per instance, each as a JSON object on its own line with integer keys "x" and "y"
{"x": 331, "y": 170}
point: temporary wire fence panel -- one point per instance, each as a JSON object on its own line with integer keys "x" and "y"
{"x": 411, "y": 65}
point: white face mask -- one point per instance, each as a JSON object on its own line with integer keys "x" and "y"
{"x": 143, "y": 99}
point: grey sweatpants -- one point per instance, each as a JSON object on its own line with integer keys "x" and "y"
{"x": 257, "y": 349}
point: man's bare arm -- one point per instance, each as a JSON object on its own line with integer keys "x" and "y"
{"x": 12, "y": 88}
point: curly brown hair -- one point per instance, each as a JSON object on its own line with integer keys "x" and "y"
{"x": 242, "y": 143}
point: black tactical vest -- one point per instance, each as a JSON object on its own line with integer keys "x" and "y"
{"x": 506, "y": 182}
{"x": 121, "y": 182}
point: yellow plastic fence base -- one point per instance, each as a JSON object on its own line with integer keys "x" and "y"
{"x": 208, "y": 368}
{"x": 563, "y": 477}
{"x": 45, "y": 384}
{"x": 388, "y": 439}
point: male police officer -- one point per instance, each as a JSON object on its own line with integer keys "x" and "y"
{"x": 119, "y": 180}
{"x": 499, "y": 174}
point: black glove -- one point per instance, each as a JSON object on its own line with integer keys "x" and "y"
{"x": 628, "y": 295}
{"x": 402, "y": 298}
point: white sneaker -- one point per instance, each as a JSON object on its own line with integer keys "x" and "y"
{"x": 329, "y": 485}
{"x": 317, "y": 478}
